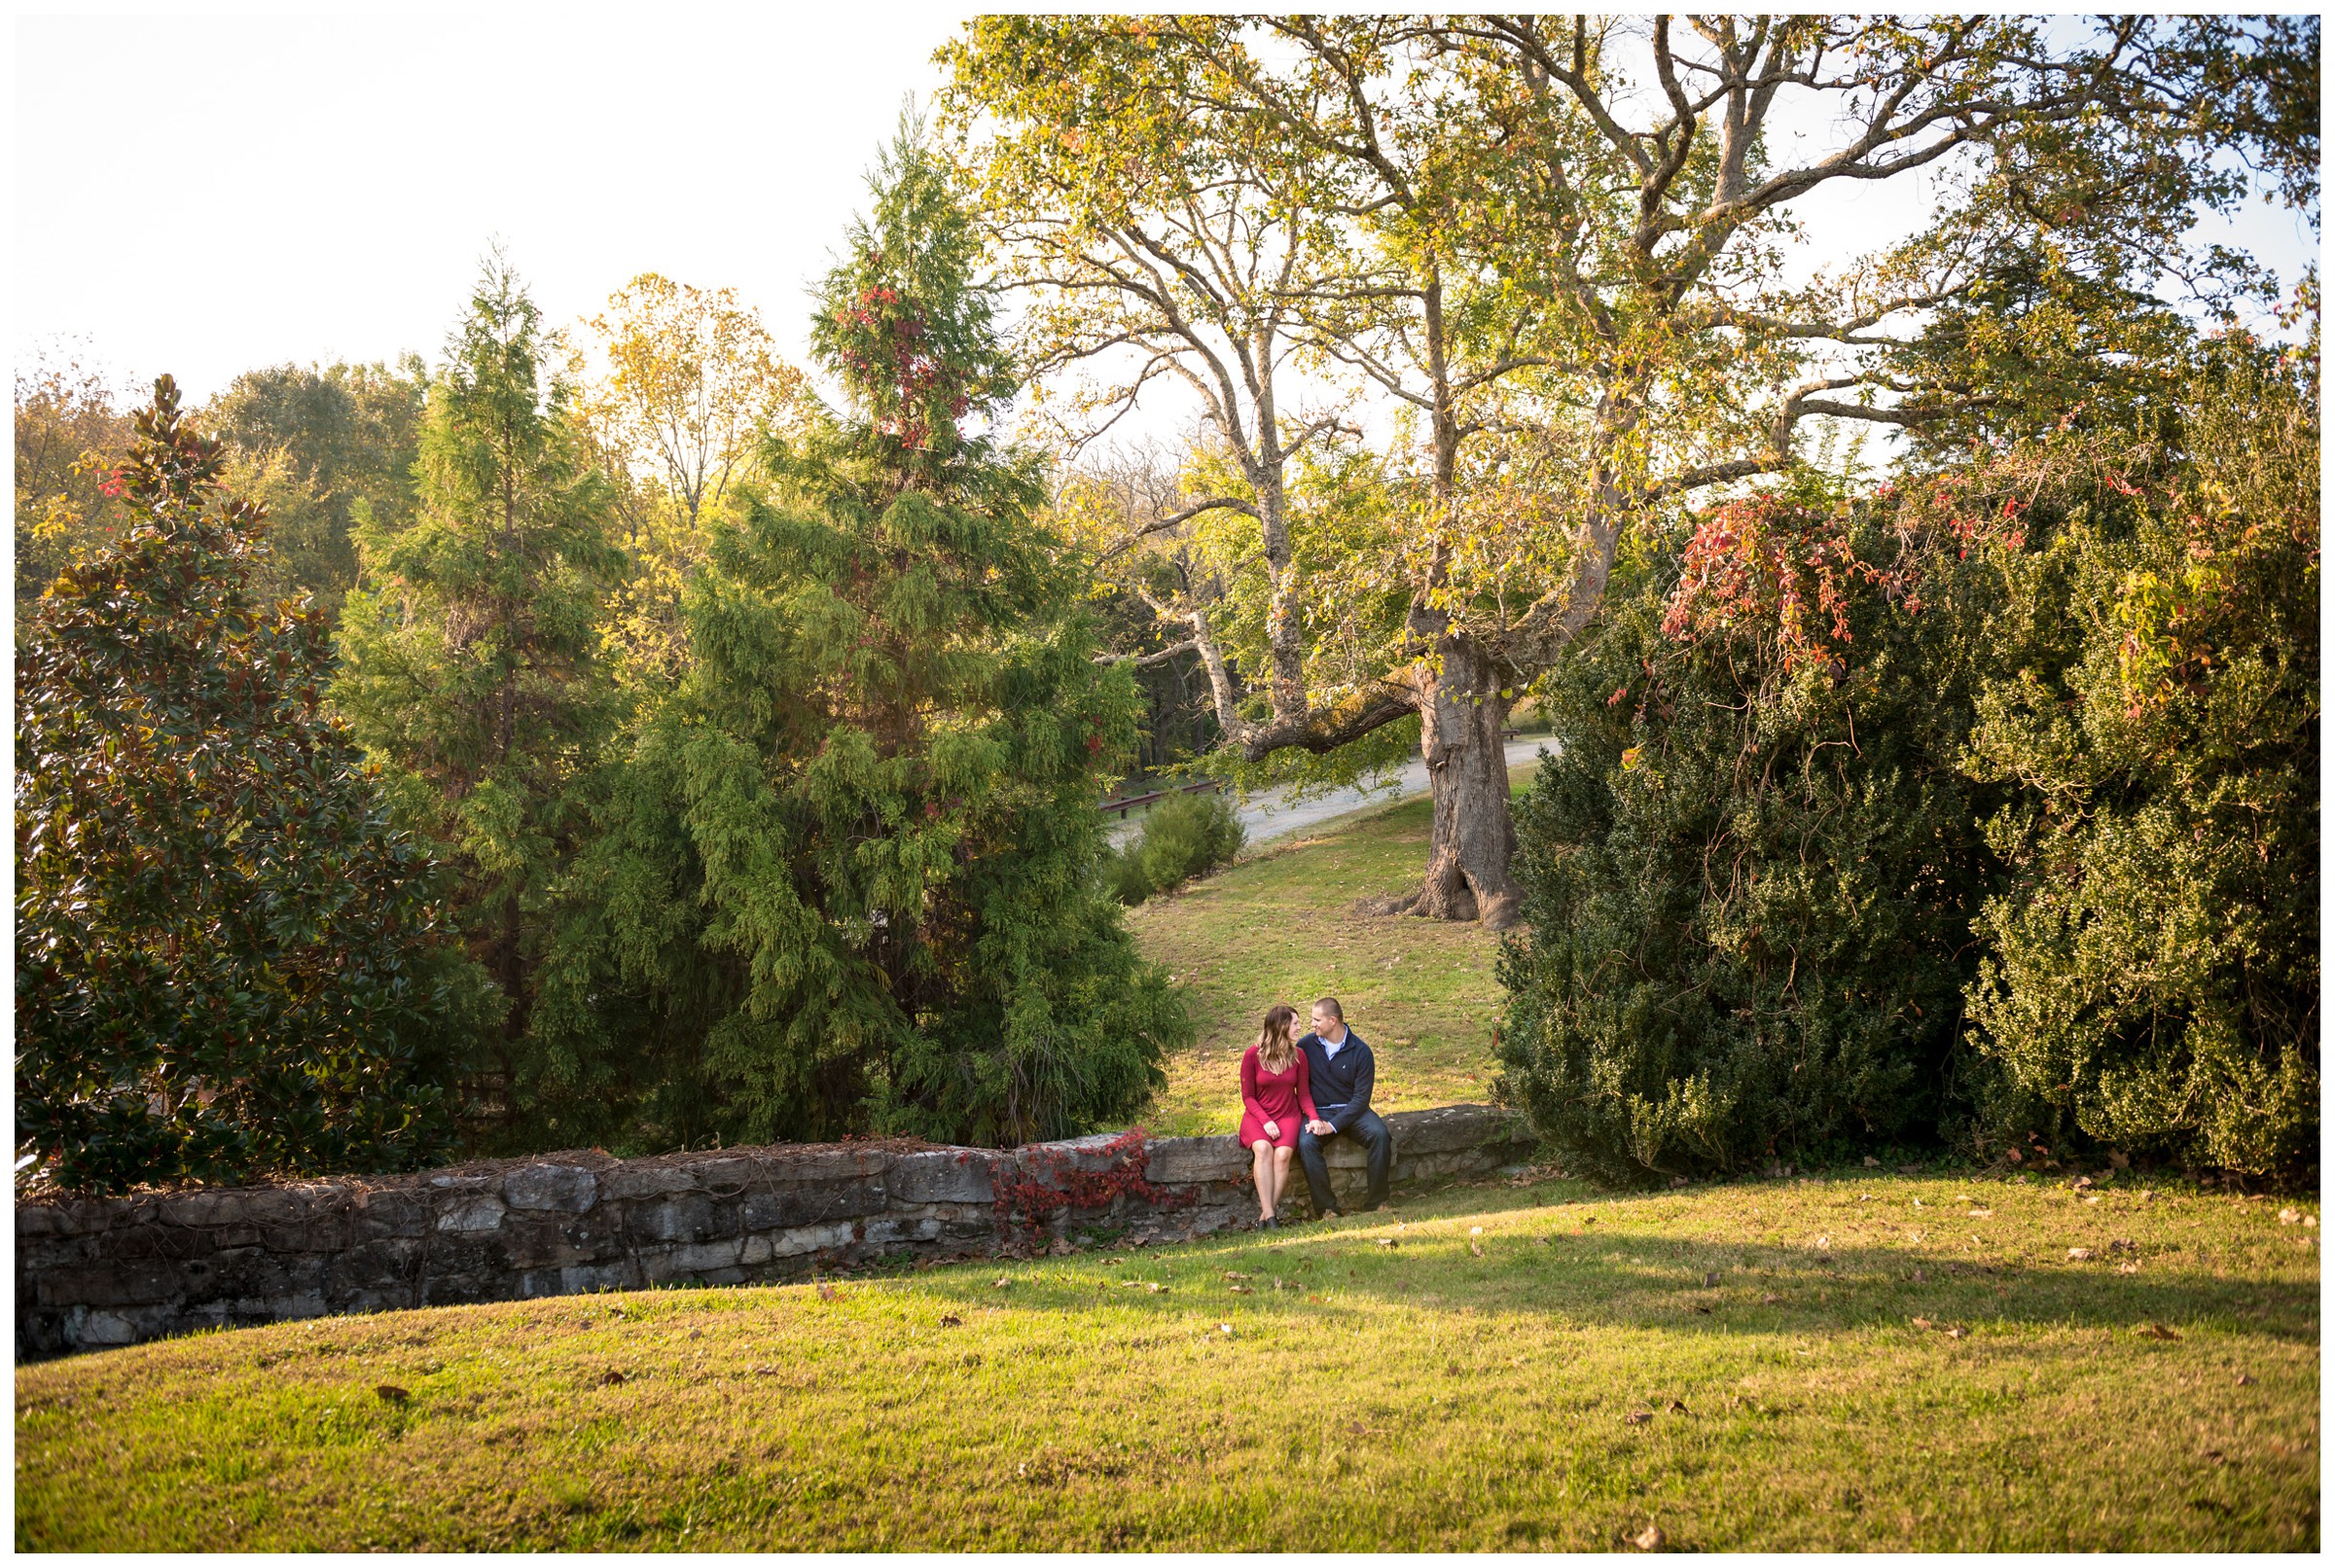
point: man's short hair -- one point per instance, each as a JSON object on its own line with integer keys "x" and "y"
{"x": 1329, "y": 1005}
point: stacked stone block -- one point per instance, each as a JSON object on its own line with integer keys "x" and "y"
{"x": 94, "y": 1272}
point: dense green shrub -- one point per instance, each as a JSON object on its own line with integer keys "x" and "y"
{"x": 846, "y": 876}
{"x": 2152, "y": 974}
{"x": 1750, "y": 865}
{"x": 1123, "y": 874}
{"x": 229, "y": 962}
{"x": 1984, "y": 809}
{"x": 1184, "y": 835}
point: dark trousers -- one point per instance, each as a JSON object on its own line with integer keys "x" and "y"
{"x": 1378, "y": 1146}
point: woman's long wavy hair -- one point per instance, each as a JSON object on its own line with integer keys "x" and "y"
{"x": 1276, "y": 1041}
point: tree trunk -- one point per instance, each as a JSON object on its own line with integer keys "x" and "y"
{"x": 1473, "y": 839}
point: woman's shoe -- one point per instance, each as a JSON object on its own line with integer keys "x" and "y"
{"x": 1269, "y": 1222}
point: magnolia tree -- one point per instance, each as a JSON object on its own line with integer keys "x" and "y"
{"x": 1544, "y": 262}
{"x": 230, "y": 961}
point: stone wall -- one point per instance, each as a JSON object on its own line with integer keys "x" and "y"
{"x": 92, "y": 1272}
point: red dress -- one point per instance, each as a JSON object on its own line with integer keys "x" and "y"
{"x": 1274, "y": 1097}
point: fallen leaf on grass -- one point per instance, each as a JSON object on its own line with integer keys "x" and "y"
{"x": 1476, "y": 1247}
{"x": 1677, "y": 1408}
{"x": 2155, "y": 1331}
{"x": 1242, "y": 1290}
{"x": 1154, "y": 1286}
{"x": 2128, "y": 1268}
{"x": 953, "y": 1321}
{"x": 1958, "y": 1332}
{"x": 1542, "y": 1241}
{"x": 391, "y": 1394}
{"x": 1357, "y": 1428}
{"x": 1649, "y": 1539}
{"x": 1235, "y": 1273}
{"x": 1923, "y": 1323}
{"x": 2244, "y": 1380}
{"x": 1770, "y": 1300}
{"x": 1388, "y": 1241}
{"x": 1823, "y": 1244}
{"x": 611, "y": 1377}
{"x": 1227, "y": 1328}
{"x": 2290, "y": 1216}
{"x": 826, "y": 1291}
{"x": 1982, "y": 1213}
{"x": 1871, "y": 1163}
{"x": 2081, "y": 1254}
{"x": 1638, "y": 1417}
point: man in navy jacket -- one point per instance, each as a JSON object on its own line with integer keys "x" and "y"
{"x": 1339, "y": 1071}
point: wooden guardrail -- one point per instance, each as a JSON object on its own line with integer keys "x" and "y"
{"x": 1206, "y": 785}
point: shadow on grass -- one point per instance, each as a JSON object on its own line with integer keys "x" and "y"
{"x": 1702, "y": 1285}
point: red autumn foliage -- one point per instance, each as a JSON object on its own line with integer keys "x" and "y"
{"x": 1030, "y": 1199}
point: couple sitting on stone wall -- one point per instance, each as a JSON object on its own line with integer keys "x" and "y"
{"x": 1327, "y": 1076}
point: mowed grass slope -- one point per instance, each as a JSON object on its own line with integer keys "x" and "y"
{"x": 1283, "y": 926}
{"x": 1739, "y": 1367}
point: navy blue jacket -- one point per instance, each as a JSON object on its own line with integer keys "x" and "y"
{"x": 1340, "y": 1084}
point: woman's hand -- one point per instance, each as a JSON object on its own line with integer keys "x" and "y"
{"x": 1273, "y": 1129}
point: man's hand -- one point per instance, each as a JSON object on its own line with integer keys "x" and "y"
{"x": 1320, "y": 1130}
{"x": 1273, "y": 1129}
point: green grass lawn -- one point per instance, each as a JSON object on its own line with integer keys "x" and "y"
{"x": 1285, "y": 927}
{"x": 1859, "y": 1362}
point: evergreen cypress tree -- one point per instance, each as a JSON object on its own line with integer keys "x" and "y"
{"x": 848, "y": 879}
{"x": 228, "y": 961}
{"x": 469, "y": 649}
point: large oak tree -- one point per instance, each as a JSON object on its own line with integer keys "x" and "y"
{"x": 1552, "y": 256}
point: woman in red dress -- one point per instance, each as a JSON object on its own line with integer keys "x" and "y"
{"x": 1273, "y": 1092}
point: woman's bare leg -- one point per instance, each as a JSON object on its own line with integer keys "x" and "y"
{"x": 1280, "y": 1174}
{"x": 1266, "y": 1192}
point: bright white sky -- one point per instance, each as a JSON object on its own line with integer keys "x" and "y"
{"x": 209, "y": 195}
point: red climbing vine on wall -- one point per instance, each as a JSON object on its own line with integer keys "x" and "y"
{"x": 1049, "y": 1181}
